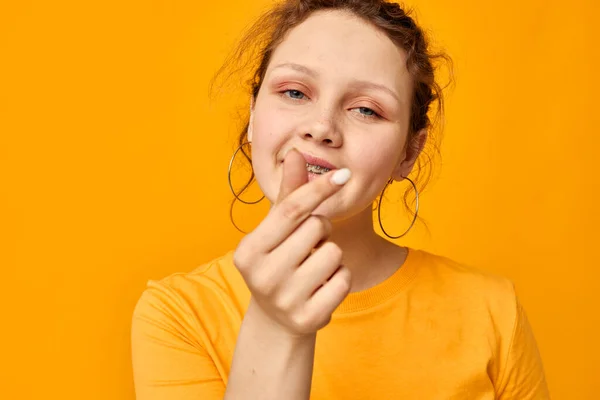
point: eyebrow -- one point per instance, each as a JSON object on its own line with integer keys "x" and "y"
{"x": 299, "y": 68}
{"x": 356, "y": 84}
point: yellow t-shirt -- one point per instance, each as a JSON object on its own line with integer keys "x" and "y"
{"x": 435, "y": 329}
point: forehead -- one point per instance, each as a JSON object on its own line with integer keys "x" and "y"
{"x": 341, "y": 46}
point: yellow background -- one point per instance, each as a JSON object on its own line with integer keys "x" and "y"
{"x": 113, "y": 169}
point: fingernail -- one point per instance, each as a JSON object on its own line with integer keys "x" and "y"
{"x": 341, "y": 176}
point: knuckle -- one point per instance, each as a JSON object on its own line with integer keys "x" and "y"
{"x": 240, "y": 259}
{"x": 345, "y": 279}
{"x": 306, "y": 322}
{"x": 263, "y": 283}
{"x": 323, "y": 226}
{"x": 323, "y": 322}
{"x": 302, "y": 322}
{"x": 313, "y": 226}
{"x": 284, "y": 303}
{"x": 244, "y": 255}
{"x": 334, "y": 251}
{"x": 292, "y": 210}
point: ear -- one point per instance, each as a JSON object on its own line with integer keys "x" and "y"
{"x": 251, "y": 120}
{"x": 409, "y": 155}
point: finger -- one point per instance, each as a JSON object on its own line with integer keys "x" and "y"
{"x": 315, "y": 271}
{"x": 286, "y": 258}
{"x": 294, "y": 174}
{"x": 299, "y": 245}
{"x": 326, "y": 299}
{"x": 285, "y": 217}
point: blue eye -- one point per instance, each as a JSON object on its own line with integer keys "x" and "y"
{"x": 294, "y": 94}
{"x": 367, "y": 111}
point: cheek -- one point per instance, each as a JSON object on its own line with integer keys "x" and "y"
{"x": 374, "y": 162}
{"x": 270, "y": 133}
{"x": 377, "y": 158}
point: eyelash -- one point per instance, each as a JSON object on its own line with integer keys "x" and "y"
{"x": 375, "y": 115}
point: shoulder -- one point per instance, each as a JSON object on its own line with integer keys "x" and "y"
{"x": 460, "y": 286}
{"x": 216, "y": 274}
{"x": 184, "y": 296}
{"x": 488, "y": 304}
{"x": 448, "y": 274}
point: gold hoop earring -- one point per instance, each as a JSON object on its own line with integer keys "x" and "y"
{"x": 233, "y": 191}
{"x": 389, "y": 182}
{"x": 229, "y": 177}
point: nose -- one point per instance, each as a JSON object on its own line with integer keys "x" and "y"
{"x": 324, "y": 130}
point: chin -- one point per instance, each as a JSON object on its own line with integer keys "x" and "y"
{"x": 334, "y": 211}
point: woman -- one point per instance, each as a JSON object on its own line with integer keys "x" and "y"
{"x": 339, "y": 110}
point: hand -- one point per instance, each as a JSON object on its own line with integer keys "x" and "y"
{"x": 294, "y": 274}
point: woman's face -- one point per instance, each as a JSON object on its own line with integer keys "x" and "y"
{"x": 337, "y": 89}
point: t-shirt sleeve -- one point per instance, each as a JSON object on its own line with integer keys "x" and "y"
{"x": 523, "y": 376}
{"x": 169, "y": 362}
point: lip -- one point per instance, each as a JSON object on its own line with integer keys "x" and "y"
{"x": 318, "y": 161}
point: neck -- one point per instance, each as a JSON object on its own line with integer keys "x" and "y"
{"x": 370, "y": 258}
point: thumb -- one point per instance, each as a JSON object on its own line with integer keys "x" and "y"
{"x": 294, "y": 174}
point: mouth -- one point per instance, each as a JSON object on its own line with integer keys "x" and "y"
{"x": 317, "y": 165}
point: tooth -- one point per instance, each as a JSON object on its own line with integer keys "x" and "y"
{"x": 316, "y": 169}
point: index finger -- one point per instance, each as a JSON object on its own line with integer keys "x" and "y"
{"x": 293, "y": 175}
{"x": 286, "y": 216}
